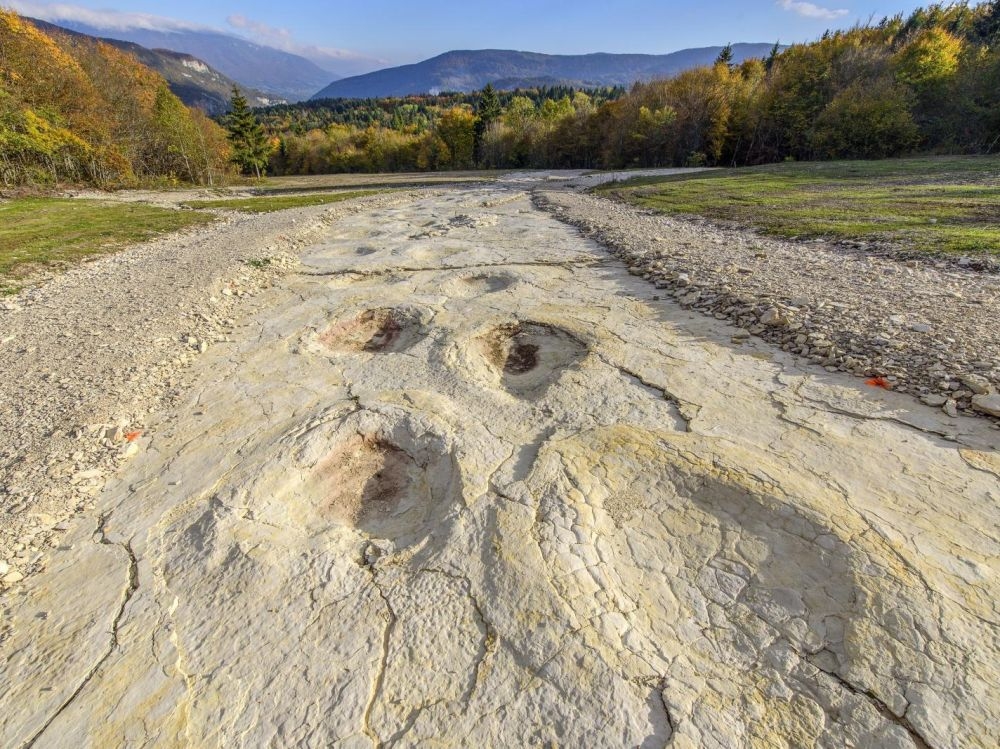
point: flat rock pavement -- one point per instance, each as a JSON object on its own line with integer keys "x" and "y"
{"x": 464, "y": 481}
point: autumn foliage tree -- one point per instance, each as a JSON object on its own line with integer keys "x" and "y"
{"x": 74, "y": 109}
{"x": 457, "y": 128}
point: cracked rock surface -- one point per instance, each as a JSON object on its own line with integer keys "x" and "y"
{"x": 464, "y": 482}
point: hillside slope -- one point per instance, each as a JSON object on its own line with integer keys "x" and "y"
{"x": 192, "y": 80}
{"x": 73, "y": 109}
{"x": 470, "y": 70}
{"x": 277, "y": 74}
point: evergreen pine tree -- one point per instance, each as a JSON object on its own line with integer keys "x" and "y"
{"x": 725, "y": 56}
{"x": 769, "y": 62}
{"x": 247, "y": 137}
{"x": 489, "y": 105}
{"x": 488, "y": 110}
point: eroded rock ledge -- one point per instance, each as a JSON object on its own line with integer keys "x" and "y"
{"x": 924, "y": 328}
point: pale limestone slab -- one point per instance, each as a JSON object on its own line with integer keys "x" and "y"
{"x": 465, "y": 483}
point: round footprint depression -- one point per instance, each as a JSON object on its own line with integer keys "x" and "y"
{"x": 371, "y": 484}
{"x": 530, "y": 356}
{"x": 478, "y": 285}
{"x": 383, "y": 330}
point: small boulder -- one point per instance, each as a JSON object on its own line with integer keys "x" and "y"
{"x": 987, "y": 404}
{"x": 977, "y": 384}
{"x": 773, "y": 317}
{"x": 933, "y": 399}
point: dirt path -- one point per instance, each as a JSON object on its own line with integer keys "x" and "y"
{"x": 462, "y": 477}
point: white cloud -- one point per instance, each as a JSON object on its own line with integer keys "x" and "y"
{"x": 811, "y": 10}
{"x": 103, "y": 19}
{"x": 282, "y": 39}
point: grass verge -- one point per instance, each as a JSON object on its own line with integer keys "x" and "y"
{"x": 935, "y": 204}
{"x": 42, "y": 233}
{"x": 267, "y": 204}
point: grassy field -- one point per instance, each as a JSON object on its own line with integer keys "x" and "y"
{"x": 936, "y": 204}
{"x": 269, "y": 203}
{"x": 38, "y": 233}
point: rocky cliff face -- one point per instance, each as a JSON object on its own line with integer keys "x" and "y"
{"x": 467, "y": 481}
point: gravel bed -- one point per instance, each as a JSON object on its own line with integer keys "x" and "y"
{"x": 86, "y": 357}
{"x": 922, "y": 326}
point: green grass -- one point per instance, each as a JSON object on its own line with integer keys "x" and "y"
{"x": 934, "y": 204}
{"x": 269, "y": 203}
{"x": 37, "y": 233}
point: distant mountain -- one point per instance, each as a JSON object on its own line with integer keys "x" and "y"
{"x": 277, "y": 74}
{"x": 470, "y": 70}
{"x": 193, "y": 81}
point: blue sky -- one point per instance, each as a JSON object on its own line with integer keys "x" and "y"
{"x": 367, "y": 34}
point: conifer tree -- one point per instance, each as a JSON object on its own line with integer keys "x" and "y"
{"x": 775, "y": 51}
{"x": 489, "y": 105}
{"x": 246, "y": 134}
{"x": 487, "y": 111}
{"x": 725, "y": 56}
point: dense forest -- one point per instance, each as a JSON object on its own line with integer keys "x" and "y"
{"x": 928, "y": 82}
{"x": 417, "y": 111}
{"x": 74, "y": 110}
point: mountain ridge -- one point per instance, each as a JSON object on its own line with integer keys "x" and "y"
{"x": 470, "y": 70}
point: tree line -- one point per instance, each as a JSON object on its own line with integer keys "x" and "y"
{"x": 416, "y": 111}
{"x": 926, "y": 82}
{"x": 78, "y": 110}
